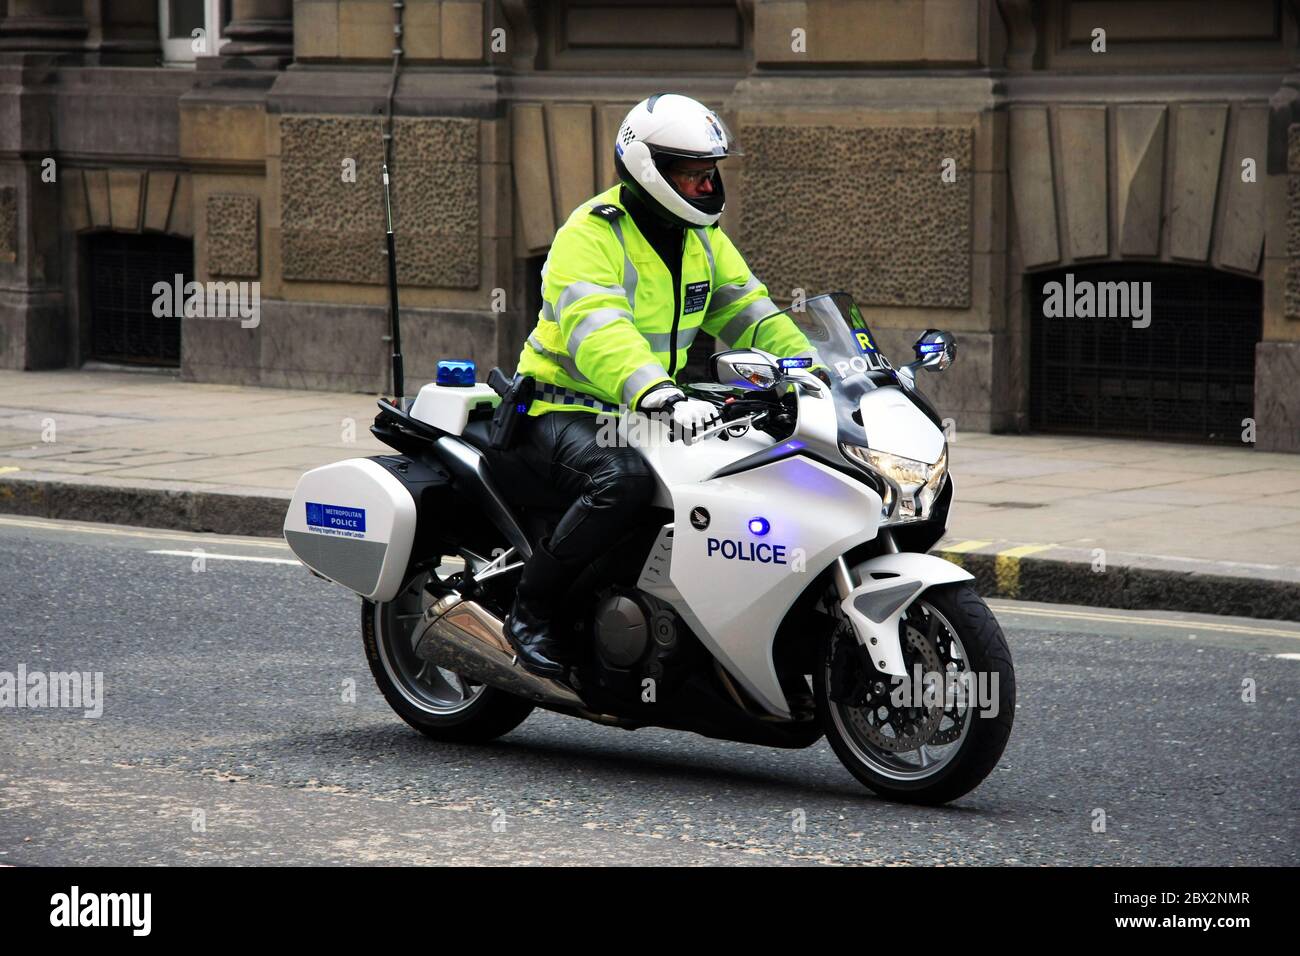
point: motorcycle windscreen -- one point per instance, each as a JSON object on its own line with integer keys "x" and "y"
{"x": 354, "y": 523}
{"x": 829, "y": 334}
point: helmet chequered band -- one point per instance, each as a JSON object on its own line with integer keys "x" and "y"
{"x": 566, "y": 396}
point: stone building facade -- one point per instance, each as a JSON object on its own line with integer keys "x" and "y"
{"x": 936, "y": 158}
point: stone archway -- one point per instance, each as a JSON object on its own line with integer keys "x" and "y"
{"x": 1170, "y": 193}
{"x": 125, "y": 229}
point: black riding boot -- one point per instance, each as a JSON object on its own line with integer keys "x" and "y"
{"x": 528, "y": 626}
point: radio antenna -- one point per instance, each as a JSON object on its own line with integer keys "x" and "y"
{"x": 395, "y": 326}
{"x": 394, "y": 323}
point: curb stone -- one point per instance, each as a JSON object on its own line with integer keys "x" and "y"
{"x": 167, "y": 508}
{"x": 1135, "y": 582}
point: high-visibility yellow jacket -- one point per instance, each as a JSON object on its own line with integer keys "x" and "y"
{"x": 612, "y": 326}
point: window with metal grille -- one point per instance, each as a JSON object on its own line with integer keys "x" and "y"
{"x": 1190, "y": 375}
{"x": 123, "y": 269}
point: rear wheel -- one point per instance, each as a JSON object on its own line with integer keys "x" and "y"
{"x": 926, "y": 740}
{"x": 433, "y": 700}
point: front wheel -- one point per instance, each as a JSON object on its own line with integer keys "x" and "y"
{"x": 935, "y": 735}
{"x": 435, "y": 701}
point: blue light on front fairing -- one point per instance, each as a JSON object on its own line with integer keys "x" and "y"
{"x": 759, "y": 526}
{"x": 799, "y": 361}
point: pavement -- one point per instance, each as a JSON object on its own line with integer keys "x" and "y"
{"x": 1080, "y": 520}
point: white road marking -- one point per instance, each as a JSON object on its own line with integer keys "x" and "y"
{"x": 209, "y": 556}
{"x": 1287, "y": 657}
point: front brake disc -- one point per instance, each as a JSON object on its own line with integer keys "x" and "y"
{"x": 909, "y": 726}
{"x": 955, "y": 703}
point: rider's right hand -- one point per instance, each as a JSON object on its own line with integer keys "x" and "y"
{"x": 689, "y": 415}
{"x": 692, "y": 415}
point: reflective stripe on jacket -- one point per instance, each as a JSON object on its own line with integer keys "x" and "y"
{"x": 607, "y": 318}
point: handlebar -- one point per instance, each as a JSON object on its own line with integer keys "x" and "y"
{"x": 737, "y": 408}
{"x": 724, "y": 425}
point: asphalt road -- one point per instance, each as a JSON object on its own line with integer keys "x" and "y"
{"x": 225, "y": 737}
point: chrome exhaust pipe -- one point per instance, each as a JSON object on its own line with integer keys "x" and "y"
{"x": 469, "y": 640}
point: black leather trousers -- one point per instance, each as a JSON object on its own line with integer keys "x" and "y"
{"x": 610, "y": 487}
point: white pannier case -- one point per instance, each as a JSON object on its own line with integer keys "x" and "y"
{"x": 353, "y": 522}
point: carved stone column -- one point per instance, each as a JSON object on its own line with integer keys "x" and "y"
{"x": 260, "y": 28}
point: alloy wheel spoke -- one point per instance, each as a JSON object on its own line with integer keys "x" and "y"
{"x": 455, "y": 681}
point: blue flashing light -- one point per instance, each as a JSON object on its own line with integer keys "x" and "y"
{"x": 458, "y": 373}
{"x": 801, "y": 361}
{"x": 759, "y": 526}
{"x": 931, "y": 347}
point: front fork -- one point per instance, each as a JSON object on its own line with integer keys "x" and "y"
{"x": 876, "y": 594}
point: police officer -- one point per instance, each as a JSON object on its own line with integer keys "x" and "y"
{"x": 632, "y": 277}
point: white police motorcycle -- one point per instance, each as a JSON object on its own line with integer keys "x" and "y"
{"x": 778, "y": 589}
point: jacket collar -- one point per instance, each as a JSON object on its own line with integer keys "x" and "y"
{"x": 656, "y": 230}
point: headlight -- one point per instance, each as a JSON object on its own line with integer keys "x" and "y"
{"x": 912, "y": 485}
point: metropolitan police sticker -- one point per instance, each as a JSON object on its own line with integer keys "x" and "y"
{"x": 697, "y": 293}
{"x": 336, "y": 519}
{"x": 699, "y": 518}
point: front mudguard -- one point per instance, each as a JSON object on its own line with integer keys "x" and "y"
{"x": 882, "y": 590}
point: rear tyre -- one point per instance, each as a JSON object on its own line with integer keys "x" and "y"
{"x": 936, "y": 752}
{"x": 435, "y": 701}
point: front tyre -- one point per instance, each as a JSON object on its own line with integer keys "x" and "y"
{"x": 928, "y": 740}
{"x": 435, "y": 701}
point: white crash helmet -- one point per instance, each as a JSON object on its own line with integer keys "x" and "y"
{"x": 659, "y": 130}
